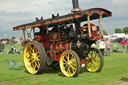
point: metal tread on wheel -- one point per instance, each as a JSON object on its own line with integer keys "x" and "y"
{"x": 94, "y": 61}
{"x": 34, "y": 57}
{"x": 69, "y": 63}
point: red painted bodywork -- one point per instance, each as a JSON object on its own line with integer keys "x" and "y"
{"x": 53, "y": 45}
{"x": 56, "y": 49}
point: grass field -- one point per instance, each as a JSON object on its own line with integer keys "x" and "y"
{"x": 114, "y": 72}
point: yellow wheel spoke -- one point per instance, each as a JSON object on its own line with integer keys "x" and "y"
{"x": 64, "y": 61}
{"x": 32, "y": 61}
{"x": 92, "y": 54}
{"x": 98, "y": 61}
{"x": 89, "y": 66}
{"x": 96, "y": 65}
{"x": 73, "y": 61}
{"x": 66, "y": 66}
{"x": 68, "y": 57}
{"x": 69, "y": 71}
{"x": 36, "y": 58}
{"x": 30, "y": 49}
{"x": 92, "y": 67}
{"x": 27, "y": 55}
{"x": 35, "y": 50}
{"x": 34, "y": 64}
{"x": 37, "y": 65}
{"x": 73, "y": 68}
{"x": 95, "y": 55}
{"x": 37, "y": 53}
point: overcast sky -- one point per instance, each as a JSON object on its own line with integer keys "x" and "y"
{"x": 17, "y": 12}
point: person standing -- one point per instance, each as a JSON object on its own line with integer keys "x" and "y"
{"x": 102, "y": 46}
{"x": 108, "y": 45}
{"x": 123, "y": 45}
{"x": 127, "y": 45}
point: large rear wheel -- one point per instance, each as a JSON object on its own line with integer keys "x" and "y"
{"x": 34, "y": 57}
{"x": 94, "y": 61}
{"x": 69, "y": 63}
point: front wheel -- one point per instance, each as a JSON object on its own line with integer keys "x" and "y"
{"x": 94, "y": 61}
{"x": 69, "y": 63}
{"x": 34, "y": 57}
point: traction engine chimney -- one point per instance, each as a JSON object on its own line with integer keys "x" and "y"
{"x": 75, "y": 6}
{"x": 74, "y": 10}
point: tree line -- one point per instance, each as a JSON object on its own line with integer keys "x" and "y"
{"x": 124, "y": 30}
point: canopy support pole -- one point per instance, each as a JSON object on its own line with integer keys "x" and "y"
{"x": 101, "y": 25}
{"x": 89, "y": 30}
{"x": 33, "y": 32}
{"x": 24, "y": 34}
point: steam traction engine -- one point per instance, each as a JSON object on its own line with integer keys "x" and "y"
{"x": 61, "y": 41}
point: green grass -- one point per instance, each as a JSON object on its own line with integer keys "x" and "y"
{"x": 115, "y": 71}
